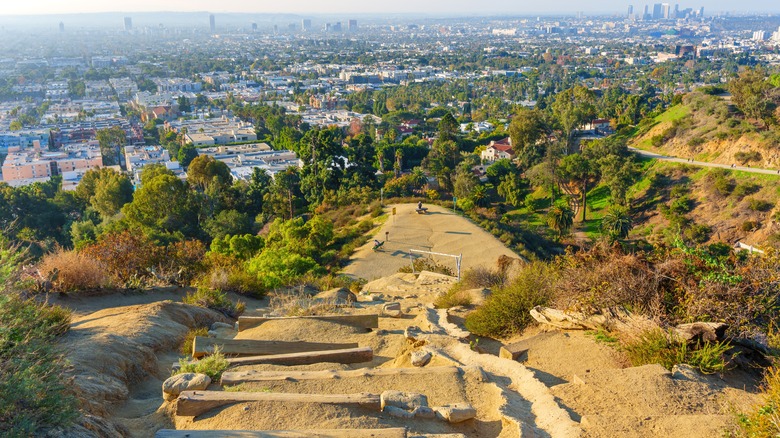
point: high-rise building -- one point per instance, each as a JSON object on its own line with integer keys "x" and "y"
{"x": 336, "y": 27}
{"x": 128, "y": 24}
{"x": 62, "y": 26}
{"x": 701, "y": 11}
{"x": 212, "y": 23}
{"x": 759, "y": 35}
{"x": 306, "y": 24}
{"x": 658, "y": 11}
{"x": 630, "y": 10}
{"x": 646, "y": 15}
{"x": 666, "y": 10}
{"x": 352, "y": 26}
{"x": 676, "y": 12}
{"x": 254, "y": 27}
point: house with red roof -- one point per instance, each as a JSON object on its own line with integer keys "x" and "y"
{"x": 498, "y": 150}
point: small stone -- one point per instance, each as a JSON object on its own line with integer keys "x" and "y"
{"x": 420, "y": 358}
{"x": 412, "y": 333}
{"x": 218, "y": 325}
{"x": 424, "y": 412}
{"x": 407, "y": 401}
{"x": 397, "y": 412}
{"x": 455, "y": 413}
{"x": 392, "y": 310}
{"x": 380, "y": 332}
{"x": 179, "y": 383}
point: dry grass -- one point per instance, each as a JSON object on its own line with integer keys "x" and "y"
{"x": 298, "y": 302}
{"x": 186, "y": 346}
{"x": 454, "y": 297}
{"x": 71, "y": 271}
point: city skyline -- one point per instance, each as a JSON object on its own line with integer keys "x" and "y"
{"x": 437, "y": 7}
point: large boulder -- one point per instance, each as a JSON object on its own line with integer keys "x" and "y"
{"x": 338, "y": 296}
{"x": 407, "y": 401}
{"x": 179, "y": 383}
{"x": 702, "y": 331}
{"x": 455, "y": 413}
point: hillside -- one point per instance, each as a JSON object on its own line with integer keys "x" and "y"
{"x": 706, "y": 205}
{"x": 706, "y": 128}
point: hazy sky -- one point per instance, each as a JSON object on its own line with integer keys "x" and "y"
{"x": 438, "y": 7}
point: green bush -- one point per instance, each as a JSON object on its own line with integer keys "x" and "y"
{"x": 34, "y": 394}
{"x": 745, "y": 189}
{"x": 724, "y": 186}
{"x": 507, "y": 310}
{"x": 280, "y": 267}
{"x": 213, "y": 365}
{"x": 658, "y": 347}
{"x": 215, "y": 300}
{"x": 759, "y": 205}
{"x": 454, "y": 297}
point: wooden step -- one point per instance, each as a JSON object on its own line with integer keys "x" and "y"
{"x": 349, "y": 355}
{"x": 194, "y": 403}
{"x": 362, "y": 321}
{"x": 202, "y": 346}
{"x": 395, "y": 432}
{"x": 237, "y": 377}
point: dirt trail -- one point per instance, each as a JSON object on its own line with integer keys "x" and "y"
{"x": 440, "y": 230}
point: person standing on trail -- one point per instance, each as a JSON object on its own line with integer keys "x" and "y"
{"x": 419, "y": 205}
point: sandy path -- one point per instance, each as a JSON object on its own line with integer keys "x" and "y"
{"x": 440, "y": 230}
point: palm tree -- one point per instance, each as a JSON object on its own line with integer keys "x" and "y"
{"x": 561, "y": 219}
{"x": 480, "y": 196}
{"x": 617, "y": 222}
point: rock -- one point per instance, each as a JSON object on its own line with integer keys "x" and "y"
{"x": 219, "y": 325}
{"x": 424, "y": 412}
{"x": 455, "y": 413}
{"x": 557, "y": 318}
{"x": 175, "y": 385}
{"x": 392, "y": 309}
{"x": 339, "y": 296}
{"x": 398, "y": 412}
{"x": 407, "y": 401}
{"x": 702, "y": 331}
{"x": 413, "y": 333}
{"x": 222, "y": 332}
{"x": 420, "y": 358}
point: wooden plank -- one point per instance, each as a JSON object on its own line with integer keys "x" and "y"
{"x": 349, "y": 355}
{"x": 362, "y": 321}
{"x": 194, "y": 403}
{"x": 237, "y": 377}
{"x": 249, "y": 347}
{"x": 395, "y": 432}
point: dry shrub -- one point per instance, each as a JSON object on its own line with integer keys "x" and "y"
{"x": 481, "y": 277}
{"x": 215, "y": 300}
{"x": 234, "y": 279}
{"x": 189, "y": 339}
{"x": 71, "y": 271}
{"x": 764, "y": 419}
{"x": 298, "y": 302}
{"x": 605, "y": 278}
{"x": 126, "y": 255}
{"x": 453, "y": 298}
{"x": 129, "y": 256}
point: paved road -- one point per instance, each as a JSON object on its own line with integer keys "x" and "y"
{"x": 702, "y": 163}
{"x": 440, "y": 231}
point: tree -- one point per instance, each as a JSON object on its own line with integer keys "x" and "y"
{"x": 112, "y": 191}
{"x": 184, "y": 104}
{"x": 441, "y": 161}
{"x": 480, "y": 196}
{"x": 161, "y": 206}
{"x": 618, "y": 173}
{"x": 111, "y": 141}
{"x": 527, "y": 132}
{"x": 617, "y": 223}
{"x": 561, "y": 219}
{"x": 448, "y": 128}
{"x": 750, "y": 93}
{"x": 464, "y": 183}
{"x": 228, "y": 222}
{"x": 186, "y": 154}
{"x": 511, "y": 189}
{"x": 577, "y": 169}
{"x": 205, "y": 170}
{"x": 285, "y": 196}
{"x": 572, "y": 108}
{"x": 15, "y": 125}
{"x": 498, "y": 170}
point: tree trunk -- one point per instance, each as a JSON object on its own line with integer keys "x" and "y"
{"x": 584, "y": 199}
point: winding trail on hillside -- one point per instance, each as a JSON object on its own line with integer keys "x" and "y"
{"x": 660, "y": 157}
{"x": 440, "y": 230}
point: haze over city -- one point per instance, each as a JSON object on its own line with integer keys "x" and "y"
{"x": 437, "y": 7}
